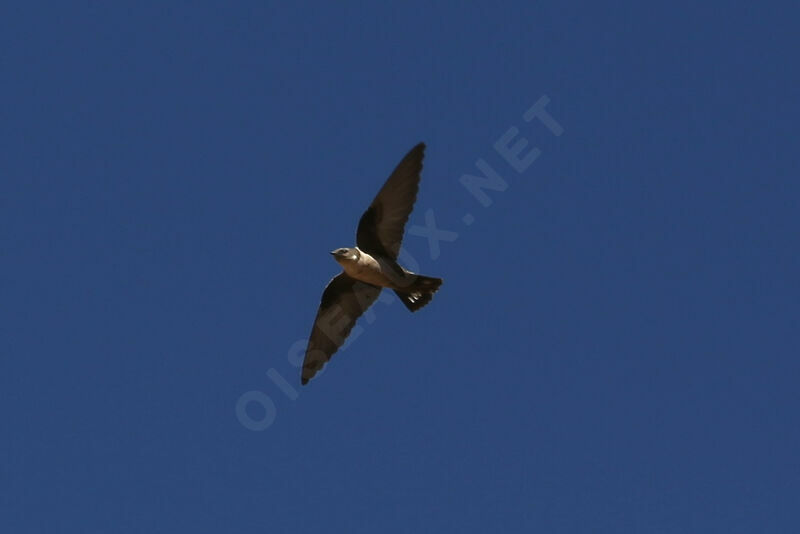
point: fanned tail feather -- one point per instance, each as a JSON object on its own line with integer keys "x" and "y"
{"x": 420, "y": 292}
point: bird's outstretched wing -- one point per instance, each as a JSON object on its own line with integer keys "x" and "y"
{"x": 380, "y": 230}
{"x": 343, "y": 302}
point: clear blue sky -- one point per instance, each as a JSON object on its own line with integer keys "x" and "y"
{"x": 615, "y": 346}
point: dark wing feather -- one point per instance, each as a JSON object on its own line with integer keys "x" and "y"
{"x": 343, "y": 302}
{"x": 381, "y": 228}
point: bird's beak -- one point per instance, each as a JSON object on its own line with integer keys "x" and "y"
{"x": 333, "y": 253}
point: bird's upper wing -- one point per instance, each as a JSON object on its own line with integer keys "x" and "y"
{"x": 343, "y": 301}
{"x": 380, "y": 230}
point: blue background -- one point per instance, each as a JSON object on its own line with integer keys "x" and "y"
{"x": 615, "y": 345}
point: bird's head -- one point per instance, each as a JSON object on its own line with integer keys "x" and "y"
{"x": 345, "y": 254}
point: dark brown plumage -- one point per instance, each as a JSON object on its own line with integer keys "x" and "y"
{"x": 380, "y": 230}
{"x": 343, "y": 302}
{"x": 379, "y": 236}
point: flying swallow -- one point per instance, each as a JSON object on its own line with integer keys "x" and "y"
{"x": 371, "y": 266}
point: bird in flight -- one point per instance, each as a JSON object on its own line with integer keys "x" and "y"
{"x": 370, "y": 266}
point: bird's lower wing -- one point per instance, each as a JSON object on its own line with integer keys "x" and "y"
{"x": 343, "y": 302}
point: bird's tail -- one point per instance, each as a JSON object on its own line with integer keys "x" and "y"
{"x": 420, "y": 292}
